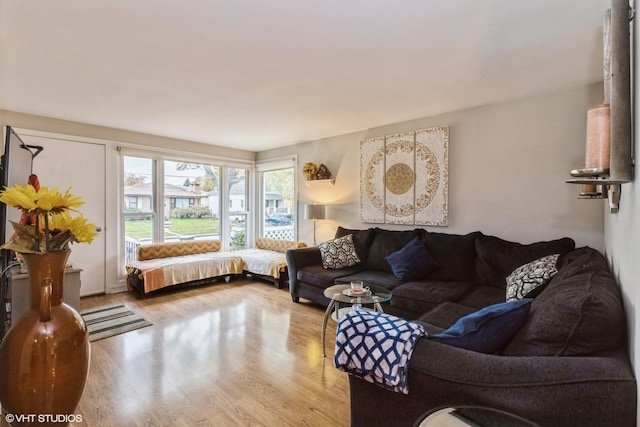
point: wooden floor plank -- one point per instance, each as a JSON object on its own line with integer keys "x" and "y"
{"x": 238, "y": 353}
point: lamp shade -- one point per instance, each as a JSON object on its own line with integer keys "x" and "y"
{"x": 314, "y": 211}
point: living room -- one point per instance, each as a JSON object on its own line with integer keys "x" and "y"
{"x": 509, "y": 157}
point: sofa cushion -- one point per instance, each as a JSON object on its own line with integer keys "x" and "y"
{"x": 480, "y": 296}
{"x": 371, "y": 277}
{"x": 527, "y": 281}
{"x": 339, "y": 253}
{"x": 580, "y": 312}
{"x": 318, "y": 276}
{"x": 361, "y": 240}
{"x": 412, "y": 262}
{"x": 384, "y": 243}
{"x": 454, "y": 253}
{"x": 487, "y": 330}
{"x": 497, "y": 258}
{"x": 421, "y": 297}
{"x": 445, "y": 315}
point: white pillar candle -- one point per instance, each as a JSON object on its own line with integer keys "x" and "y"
{"x": 598, "y": 151}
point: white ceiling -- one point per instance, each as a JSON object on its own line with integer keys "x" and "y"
{"x": 259, "y": 74}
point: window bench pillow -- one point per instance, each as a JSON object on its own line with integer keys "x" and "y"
{"x": 412, "y": 262}
{"x": 487, "y": 330}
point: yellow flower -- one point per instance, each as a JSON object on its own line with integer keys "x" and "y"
{"x": 80, "y": 229}
{"x": 22, "y": 197}
{"x": 83, "y": 231}
{"x": 55, "y": 202}
{"x": 56, "y": 227}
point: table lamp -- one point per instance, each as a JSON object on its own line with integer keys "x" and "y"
{"x": 314, "y": 212}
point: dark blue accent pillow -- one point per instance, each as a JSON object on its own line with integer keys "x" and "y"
{"x": 412, "y": 262}
{"x": 487, "y": 330}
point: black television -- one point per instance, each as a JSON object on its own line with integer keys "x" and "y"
{"x": 15, "y": 167}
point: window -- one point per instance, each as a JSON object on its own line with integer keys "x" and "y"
{"x": 131, "y": 202}
{"x": 238, "y": 194}
{"x": 181, "y": 203}
{"x": 277, "y": 192}
{"x": 138, "y": 216}
{"x": 170, "y": 200}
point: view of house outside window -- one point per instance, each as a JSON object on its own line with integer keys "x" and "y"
{"x": 238, "y": 215}
{"x": 277, "y": 196}
{"x": 189, "y": 203}
{"x": 190, "y": 208}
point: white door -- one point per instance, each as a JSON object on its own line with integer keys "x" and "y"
{"x": 81, "y": 166}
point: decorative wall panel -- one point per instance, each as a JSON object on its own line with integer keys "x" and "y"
{"x": 372, "y": 169}
{"x": 432, "y": 177}
{"x": 404, "y": 178}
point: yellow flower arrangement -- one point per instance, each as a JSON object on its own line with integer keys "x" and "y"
{"x": 49, "y": 210}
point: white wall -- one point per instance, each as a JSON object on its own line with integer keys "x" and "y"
{"x": 65, "y": 127}
{"x": 508, "y": 164}
{"x": 622, "y": 242}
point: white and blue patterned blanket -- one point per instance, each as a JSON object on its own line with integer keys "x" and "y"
{"x": 377, "y": 347}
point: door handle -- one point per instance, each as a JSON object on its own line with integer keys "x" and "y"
{"x": 98, "y": 229}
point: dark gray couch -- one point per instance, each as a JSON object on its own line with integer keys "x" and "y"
{"x": 471, "y": 270}
{"x": 568, "y": 365}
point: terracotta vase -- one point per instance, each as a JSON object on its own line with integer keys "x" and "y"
{"x": 44, "y": 358}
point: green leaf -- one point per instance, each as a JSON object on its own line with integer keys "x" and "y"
{"x": 60, "y": 241}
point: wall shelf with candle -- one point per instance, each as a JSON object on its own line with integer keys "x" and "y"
{"x": 608, "y": 157}
{"x": 598, "y": 187}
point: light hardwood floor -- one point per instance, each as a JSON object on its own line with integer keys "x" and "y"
{"x": 239, "y": 353}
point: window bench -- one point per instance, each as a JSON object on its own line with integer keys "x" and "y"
{"x": 162, "y": 265}
{"x": 268, "y": 259}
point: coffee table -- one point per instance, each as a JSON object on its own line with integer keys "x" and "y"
{"x": 340, "y": 294}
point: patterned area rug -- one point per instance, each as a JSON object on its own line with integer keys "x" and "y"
{"x": 109, "y": 320}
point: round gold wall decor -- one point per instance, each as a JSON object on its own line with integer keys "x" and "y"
{"x": 399, "y": 178}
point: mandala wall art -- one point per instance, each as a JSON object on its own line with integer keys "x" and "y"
{"x": 404, "y": 178}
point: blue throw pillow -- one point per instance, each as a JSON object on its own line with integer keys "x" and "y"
{"x": 412, "y": 262}
{"x": 487, "y": 330}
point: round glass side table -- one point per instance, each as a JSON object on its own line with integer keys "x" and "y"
{"x": 342, "y": 295}
{"x": 472, "y": 416}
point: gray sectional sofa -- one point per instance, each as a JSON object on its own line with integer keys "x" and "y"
{"x": 472, "y": 268}
{"x": 568, "y": 364}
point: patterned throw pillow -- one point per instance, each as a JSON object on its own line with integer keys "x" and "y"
{"x": 528, "y": 280}
{"x": 339, "y": 253}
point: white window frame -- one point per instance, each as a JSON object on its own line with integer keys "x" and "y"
{"x": 269, "y": 165}
{"x": 158, "y": 158}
